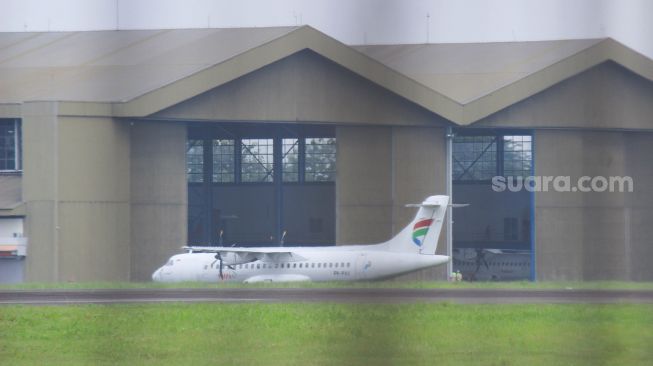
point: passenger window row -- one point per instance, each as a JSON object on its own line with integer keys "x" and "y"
{"x": 293, "y": 265}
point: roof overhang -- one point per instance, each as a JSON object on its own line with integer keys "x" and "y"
{"x": 308, "y": 38}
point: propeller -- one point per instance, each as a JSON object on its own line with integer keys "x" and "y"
{"x": 218, "y": 257}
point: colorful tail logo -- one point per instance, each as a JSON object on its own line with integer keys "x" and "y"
{"x": 420, "y": 229}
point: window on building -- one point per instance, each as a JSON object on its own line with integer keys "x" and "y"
{"x": 290, "y": 160}
{"x": 10, "y": 138}
{"x": 195, "y": 161}
{"x": 320, "y": 159}
{"x": 223, "y": 161}
{"x": 474, "y": 158}
{"x": 257, "y": 160}
{"x": 517, "y": 156}
{"x": 244, "y": 159}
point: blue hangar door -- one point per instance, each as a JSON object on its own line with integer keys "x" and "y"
{"x": 493, "y": 238}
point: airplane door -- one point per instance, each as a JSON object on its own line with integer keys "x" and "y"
{"x": 363, "y": 265}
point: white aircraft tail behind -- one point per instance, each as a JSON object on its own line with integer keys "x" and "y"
{"x": 422, "y": 234}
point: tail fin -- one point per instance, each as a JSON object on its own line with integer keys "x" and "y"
{"x": 422, "y": 234}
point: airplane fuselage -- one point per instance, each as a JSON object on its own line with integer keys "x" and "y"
{"x": 341, "y": 263}
{"x": 412, "y": 249}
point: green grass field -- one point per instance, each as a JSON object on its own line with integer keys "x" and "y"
{"x": 327, "y": 334}
{"x": 608, "y": 285}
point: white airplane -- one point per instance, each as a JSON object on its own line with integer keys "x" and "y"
{"x": 411, "y": 250}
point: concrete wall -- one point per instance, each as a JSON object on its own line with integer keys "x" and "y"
{"x": 605, "y": 96}
{"x": 158, "y": 195}
{"x": 104, "y": 200}
{"x": 364, "y": 199}
{"x": 304, "y": 87}
{"x": 594, "y": 236}
{"x": 381, "y": 169}
{"x": 93, "y": 199}
{"x": 76, "y": 192}
{"x": 39, "y": 155}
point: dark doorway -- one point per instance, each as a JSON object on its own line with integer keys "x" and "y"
{"x": 261, "y": 184}
{"x": 493, "y": 237}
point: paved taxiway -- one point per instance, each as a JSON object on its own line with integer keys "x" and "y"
{"x": 339, "y": 295}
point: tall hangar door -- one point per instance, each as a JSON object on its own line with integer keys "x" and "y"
{"x": 261, "y": 184}
{"x": 493, "y": 237}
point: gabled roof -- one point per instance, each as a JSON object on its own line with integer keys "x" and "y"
{"x": 467, "y": 71}
{"x": 138, "y": 73}
{"x": 114, "y": 66}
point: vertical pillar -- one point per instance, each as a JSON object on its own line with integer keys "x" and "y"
{"x": 159, "y": 192}
{"x": 532, "y": 214}
{"x": 207, "y": 189}
{"x": 277, "y": 178}
{"x": 449, "y": 184}
{"x": 40, "y": 193}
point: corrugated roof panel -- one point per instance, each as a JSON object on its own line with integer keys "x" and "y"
{"x": 214, "y": 47}
{"x": 467, "y": 71}
{"x": 149, "y": 50}
{"x": 109, "y": 66}
{"x": 26, "y": 46}
{"x": 76, "y": 48}
{"x": 10, "y": 39}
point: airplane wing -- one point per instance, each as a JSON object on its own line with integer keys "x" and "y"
{"x": 246, "y": 255}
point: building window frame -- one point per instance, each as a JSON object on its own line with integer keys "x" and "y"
{"x": 14, "y": 141}
{"x": 195, "y": 162}
{"x": 499, "y": 152}
{"x": 224, "y": 160}
{"x": 278, "y": 144}
{"x": 330, "y": 173}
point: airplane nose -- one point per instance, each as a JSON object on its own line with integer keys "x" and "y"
{"x": 156, "y": 276}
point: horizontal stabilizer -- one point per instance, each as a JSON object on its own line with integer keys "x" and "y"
{"x": 453, "y": 205}
{"x": 431, "y": 202}
{"x": 422, "y": 205}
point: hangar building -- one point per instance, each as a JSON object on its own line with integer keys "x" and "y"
{"x": 118, "y": 147}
